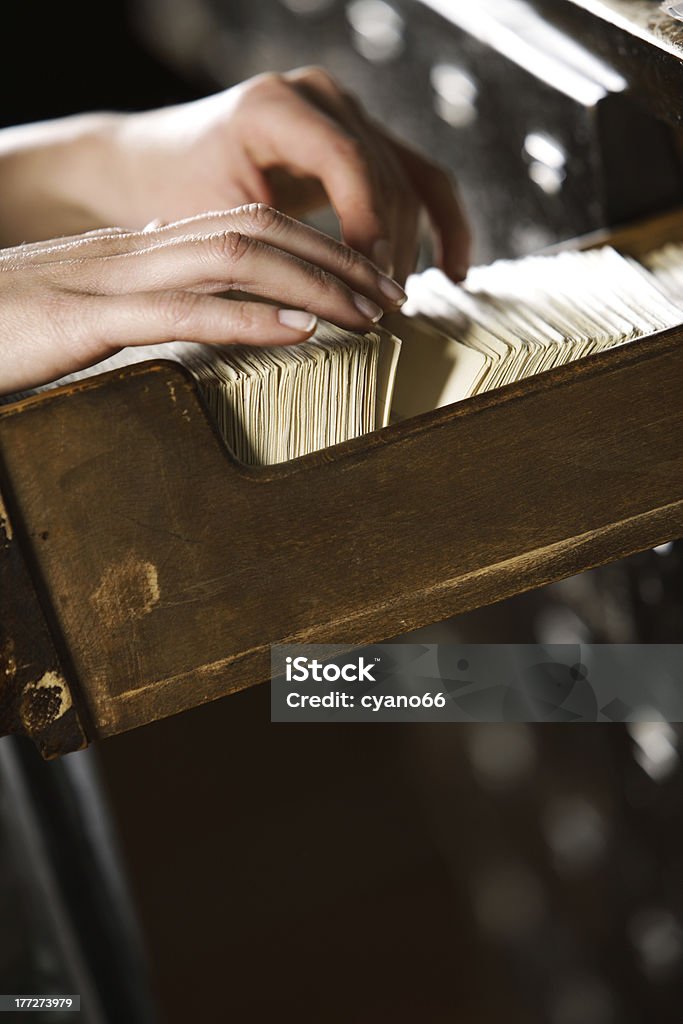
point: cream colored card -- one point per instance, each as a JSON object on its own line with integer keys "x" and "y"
{"x": 389, "y": 357}
{"x": 433, "y": 370}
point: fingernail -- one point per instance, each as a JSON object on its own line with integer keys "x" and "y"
{"x": 392, "y": 290}
{"x": 367, "y": 307}
{"x": 460, "y": 273}
{"x": 297, "y": 319}
{"x": 381, "y": 255}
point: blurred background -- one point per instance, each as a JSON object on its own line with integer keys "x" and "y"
{"x": 215, "y": 867}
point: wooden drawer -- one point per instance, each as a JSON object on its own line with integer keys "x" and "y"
{"x": 144, "y": 571}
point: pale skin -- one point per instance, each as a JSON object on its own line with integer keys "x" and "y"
{"x": 257, "y": 155}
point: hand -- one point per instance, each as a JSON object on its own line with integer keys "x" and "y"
{"x": 292, "y": 141}
{"x": 71, "y": 302}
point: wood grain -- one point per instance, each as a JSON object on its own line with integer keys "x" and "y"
{"x": 162, "y": 570}
{"x": 36, "y": 699}
{"x": 171, "y": 569}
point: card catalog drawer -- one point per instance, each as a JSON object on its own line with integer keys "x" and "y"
{"x": 157, "y": 571}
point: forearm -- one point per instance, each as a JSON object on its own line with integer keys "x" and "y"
{"x": 259, "y": 142}
{"x": 53, "y": 175}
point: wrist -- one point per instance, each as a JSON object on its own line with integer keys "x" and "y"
{"x": 54, "y": 177}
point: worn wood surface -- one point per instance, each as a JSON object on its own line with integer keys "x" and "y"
{"x": 168, "y": 570}
{"x": 35, "y": 697}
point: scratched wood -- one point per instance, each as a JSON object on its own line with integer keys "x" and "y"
{"x": 167, "y": 569}
{"x": 35, "y": 697}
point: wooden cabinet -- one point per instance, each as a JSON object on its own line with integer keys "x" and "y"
{"x": 158, "y": 571}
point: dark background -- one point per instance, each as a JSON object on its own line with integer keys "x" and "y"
{"x": 70, "y": 57}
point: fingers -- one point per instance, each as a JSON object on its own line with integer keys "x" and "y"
{"x": 154, "y": 224}
{"x": 402, "y": 247}
{"x": 149, "y": 318}
{"x": 350, "y": 293}
{"x": 280, "y": 231}
{"x": 39, "y": 251}
{"x": 229, "y": 261}
{"x": 320, "y": 89}
{"x": 415, "y": 183}
{"x": 395, "y": 197}
{"x": 438, "y": 194}
{"x": 401, "y": 182}
{"x": 306, "y": 141}
{"x": 291, "y": 236}
{"x": 304, "y": 242}
{"x": 73, "y": 302}
{"x": 255, "y": 220}
{"x": 47, "y": 332}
